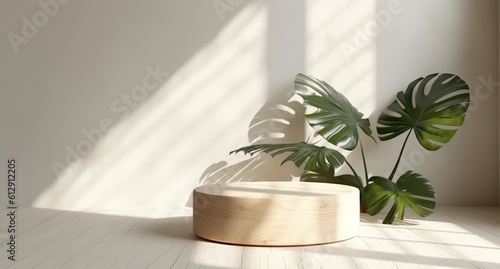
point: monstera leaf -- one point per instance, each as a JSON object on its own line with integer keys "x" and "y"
{"x": 411, "y": 189}
{"x": 434, "y": 107}
{"x": 315, "y": 158}
{"x": 350, "y": 180}
{"x": 335, "y": 118}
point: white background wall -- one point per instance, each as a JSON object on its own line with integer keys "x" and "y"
{"x": 229, "y": 63}
{"x": 391, "y": 43}
{"x": 464, "y": 173}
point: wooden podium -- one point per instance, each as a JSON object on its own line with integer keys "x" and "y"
{"x": 276, "y": 213}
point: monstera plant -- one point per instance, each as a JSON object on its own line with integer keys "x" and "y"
{"x": 432, "y": 108}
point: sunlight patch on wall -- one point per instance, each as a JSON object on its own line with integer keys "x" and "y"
{"x": 155, "y": 156}
{"x": 341, "y": 48}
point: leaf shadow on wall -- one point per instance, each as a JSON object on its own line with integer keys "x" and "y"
{"x": 277, "y": 121}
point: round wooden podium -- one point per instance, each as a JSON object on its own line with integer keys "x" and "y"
{"x": 275, "y": 213}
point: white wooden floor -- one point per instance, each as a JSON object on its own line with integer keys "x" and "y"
{"x": 450, "y": 238}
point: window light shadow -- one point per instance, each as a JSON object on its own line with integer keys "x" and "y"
{"x": 154, "y": 156}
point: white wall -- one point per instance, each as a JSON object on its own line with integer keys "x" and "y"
{"x": 456, "y": 37}
{"x": 86, "y": 135}
{"x": 371, "y": 50}
{"x": 229, "y": 63}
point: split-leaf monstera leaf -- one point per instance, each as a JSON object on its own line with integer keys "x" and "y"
{"x": 335, "y": 118}
{"x": 315, "y": 158}
{"x": 432, "y": 107}
{"x": 411, "y": 189}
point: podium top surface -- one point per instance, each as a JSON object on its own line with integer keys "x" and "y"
{"x": 275, "y": 189}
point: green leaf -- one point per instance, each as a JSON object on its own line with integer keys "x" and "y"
{"x": 350, "y": 180}
{"x": 434, "y": 107}
{"x": 335, "y": 118}
{"x": 315, "y": 158}
{"x": 411, "y": 189}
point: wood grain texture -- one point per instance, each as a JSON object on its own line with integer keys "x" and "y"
{"x": 276, "y": 213}
{"x": 452, "y": 237}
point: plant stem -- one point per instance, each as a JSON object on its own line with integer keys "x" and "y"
{"x": 399, "y": 158}
{"x": 353, "y": 171}
{"x": 364, "y": 161}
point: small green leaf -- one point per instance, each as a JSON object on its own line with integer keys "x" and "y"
{"x": 378, "y": 192}
{"x": 315, "y": 158}
{"x": 411, "y": 190}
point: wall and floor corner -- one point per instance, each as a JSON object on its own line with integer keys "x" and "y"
{"x": 128, "y": 104}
